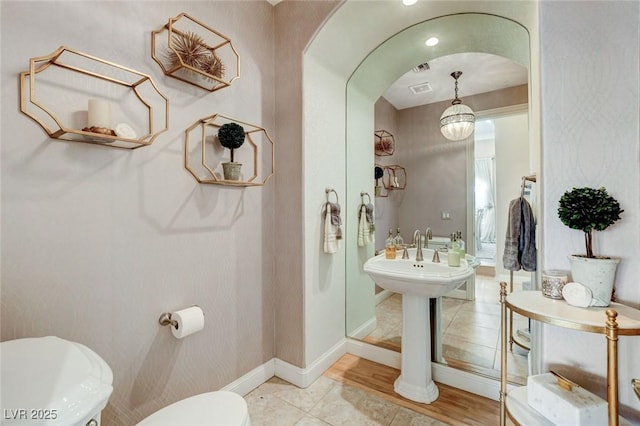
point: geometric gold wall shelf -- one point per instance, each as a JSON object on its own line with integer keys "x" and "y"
{"x": 195, "y": 53}
{"x": 203, "y": 154}
{"x": 384, "y": 143}
{"x": 58, "y": 90}
{"x": 395, "y": 177}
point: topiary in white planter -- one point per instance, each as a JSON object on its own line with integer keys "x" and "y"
{"x": 231, "y": 136}
{"x": 589, "y": 209}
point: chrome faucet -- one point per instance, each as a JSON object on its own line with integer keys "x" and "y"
{"x": 416, "y": 237}
{"x": 427, "y": 236}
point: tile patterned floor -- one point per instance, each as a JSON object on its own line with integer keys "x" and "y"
{"x": 326, "y": 402}
{"x": 471, "y": 330}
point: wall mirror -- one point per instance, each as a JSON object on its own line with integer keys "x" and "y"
{"x": 443, "y": 180}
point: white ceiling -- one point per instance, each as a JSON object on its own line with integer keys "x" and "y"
{"x": 481, "y": 73}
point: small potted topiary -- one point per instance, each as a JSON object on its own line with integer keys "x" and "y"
{"x": 588, "y": 210}
{"x": 231, "y": 136}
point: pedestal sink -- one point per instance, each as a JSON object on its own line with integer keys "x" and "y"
{"x": 418, "y": 282}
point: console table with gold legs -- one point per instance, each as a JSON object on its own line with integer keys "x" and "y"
{"x": 613, "y": 321}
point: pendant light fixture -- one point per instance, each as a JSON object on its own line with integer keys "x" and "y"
{"x": 458, "y": 121}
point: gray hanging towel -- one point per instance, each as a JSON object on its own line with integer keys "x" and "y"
{"x": 520, "y": 241}
{"x": 527, "y": 242}
{"x": 510, "y": 259}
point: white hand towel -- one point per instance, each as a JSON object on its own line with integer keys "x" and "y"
{"x": 363, "y": 227}
{"x": 330, "y": 230}
{"x": 369, "y": 236}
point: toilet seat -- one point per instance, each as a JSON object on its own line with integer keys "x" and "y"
{"x": 221, "y": 408}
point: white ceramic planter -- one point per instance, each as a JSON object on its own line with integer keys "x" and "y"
{"x": 596, "y": 273}
{"x": 231, "y": 171}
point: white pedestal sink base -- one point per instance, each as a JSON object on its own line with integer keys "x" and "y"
{"x": 415, "y": 382}
{"x": 425, "y": 394}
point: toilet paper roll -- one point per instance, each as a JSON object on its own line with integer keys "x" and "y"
{"x": 188, "y": 321}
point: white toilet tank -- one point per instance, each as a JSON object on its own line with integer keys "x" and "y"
{"x": 52, "y": 381}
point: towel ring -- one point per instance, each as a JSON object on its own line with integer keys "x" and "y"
{"x": 362, "y": 194}
{"x": 328, "y": 191}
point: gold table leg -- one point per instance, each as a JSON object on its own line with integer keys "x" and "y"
{"x": 612, "y": 366}
{"x": 503, "y": 353}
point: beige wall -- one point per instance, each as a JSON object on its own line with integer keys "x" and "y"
{"x": 436, "y": 167}
{"x": 98, "y": 242}
{"x": 386, "y": 208}
{"x": 291, "y": 39}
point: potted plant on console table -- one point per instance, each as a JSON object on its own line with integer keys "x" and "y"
{"x": 588, "y": 209}
{"x": 231, "y": 136}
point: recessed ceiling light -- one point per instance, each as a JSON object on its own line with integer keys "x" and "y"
{"x": 431, "y": 41}
{"x": 409, "y": 2}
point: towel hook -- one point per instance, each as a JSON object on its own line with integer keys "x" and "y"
{"x": 328, "y": 191}
{"x": 362, "y": 194}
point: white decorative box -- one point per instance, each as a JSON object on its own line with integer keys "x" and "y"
{"x": 565, "y": 403}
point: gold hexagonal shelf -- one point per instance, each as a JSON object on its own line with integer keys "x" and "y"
{"x": 195, "y": 53}
{"x": 203, "y": 154}
{"x": 66, "y": 90}
{"x": 395, "y": 177}
{"x": 384, "y": 143}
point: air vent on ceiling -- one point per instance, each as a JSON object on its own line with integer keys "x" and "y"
{"x": 421, "y": 88}
{"x": 422, "y": 67}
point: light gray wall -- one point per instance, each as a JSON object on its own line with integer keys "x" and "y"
{"x": 591, "y": 135}
{"x": 98, "y": 242}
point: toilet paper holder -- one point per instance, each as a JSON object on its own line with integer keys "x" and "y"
{"x": 165, "y": 319}
{"x": 636, "y": 386}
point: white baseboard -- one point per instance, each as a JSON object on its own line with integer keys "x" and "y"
{"x": 252, "y": 379}
{"x": 483, "y": 386}
{"x": 373, "y": 353}
{"x": 303, "y": 377}
{"x": 473, "y": 383}
{"x": 365, "y": 329}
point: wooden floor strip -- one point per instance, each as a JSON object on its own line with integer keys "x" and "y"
{"x": 453, "y": 406}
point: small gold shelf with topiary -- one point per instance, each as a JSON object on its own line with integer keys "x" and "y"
{"x": 379, "y": 174}
{"x": 193, "y": 52}
{"x": 78, "y": 97}
{"x": 217, "y": 143}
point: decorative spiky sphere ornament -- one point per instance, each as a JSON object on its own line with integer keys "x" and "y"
{"x": 191, "y": 49}
{"x": 214, "y": 66}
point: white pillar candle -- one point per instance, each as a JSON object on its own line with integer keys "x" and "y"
{"x": 99, "y": 113}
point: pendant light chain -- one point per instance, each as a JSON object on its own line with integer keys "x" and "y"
{"x": 456, "y": 75}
